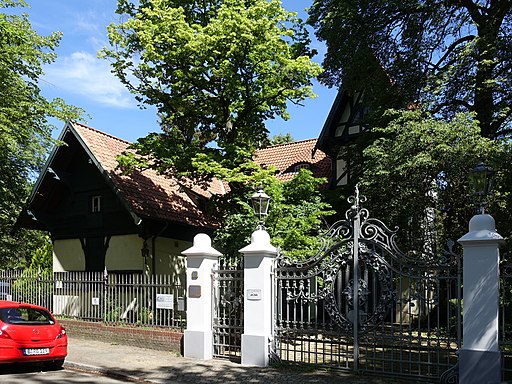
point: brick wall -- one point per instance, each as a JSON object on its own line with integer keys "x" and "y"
{"x": 162, "y": 339}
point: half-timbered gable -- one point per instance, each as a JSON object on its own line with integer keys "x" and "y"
{"x": 343, "y": 126}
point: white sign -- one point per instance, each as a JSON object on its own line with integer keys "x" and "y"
{"x": 164, "y": 301}
{"x": 254, "y": 294}
{"x": 58, "y": 284}
{"x": 95, "y": 301}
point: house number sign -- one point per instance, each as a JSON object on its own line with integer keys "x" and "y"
{"x": 254, "y": 294}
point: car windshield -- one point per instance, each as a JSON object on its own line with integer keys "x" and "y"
{"x": 25, "y": 315}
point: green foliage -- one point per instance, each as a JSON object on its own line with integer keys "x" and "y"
{"x": 42, "y": 260}
{"x": 280, "y": 139}
{"x": 295, "y": 218}
{"x": 415, "y": 176}
{"x": 113, "y": 312}
{"x": 215, "y": 71}
{"x": 452, "y": 56}
{"x": 500, "y": 202}
{"x": 144, "y": 316}
{"x": 34, "y": 286}
{"x": 25, "y": 132}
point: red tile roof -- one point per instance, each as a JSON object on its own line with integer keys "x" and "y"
{"x": 286, "y": 157}
{"x": 148, "y": 194}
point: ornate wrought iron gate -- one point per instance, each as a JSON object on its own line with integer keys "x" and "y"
{"x": 228, "y": 314}
{"x": 361, "y": 304}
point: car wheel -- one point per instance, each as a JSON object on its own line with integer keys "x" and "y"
{"x": 53, "y": 365}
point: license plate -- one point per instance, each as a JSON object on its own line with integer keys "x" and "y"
{"x": 36, "y": 351}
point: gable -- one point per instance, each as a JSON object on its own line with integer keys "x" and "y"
{"x": 343, "y": 124}
{"x": 87, "y": 165}
{"x": 62, "y": 200}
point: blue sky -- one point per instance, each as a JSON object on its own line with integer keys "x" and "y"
{"x": 82, "y": 79}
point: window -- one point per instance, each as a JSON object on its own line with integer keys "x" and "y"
{"x": 298, "y": 167}
{"x": 25, "y": 316}
{"x": 95, "y": 204}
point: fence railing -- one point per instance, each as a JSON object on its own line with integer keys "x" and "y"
{"x": 113, "y": 298}
{"x": 505, "y": 316}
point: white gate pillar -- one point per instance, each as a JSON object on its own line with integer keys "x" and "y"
{"x": 480, "y": 357}
{"x": 201, "y": 259}
{"x": 258, "y": 300}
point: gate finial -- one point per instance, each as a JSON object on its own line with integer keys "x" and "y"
{"x": 356, "y": 199}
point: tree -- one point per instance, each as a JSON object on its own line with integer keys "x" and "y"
{"x": 42, "y": 260}
{"x": 294, "y": 221}
{"x": 416, "y": 176}
{"x": 25, "y": 130}
{"x": 451, "y": 56}
{"x": 281, "y": 139}
{"x": 215, "y": 70}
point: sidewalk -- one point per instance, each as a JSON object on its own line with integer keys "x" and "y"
{"x": 132, "y": 364}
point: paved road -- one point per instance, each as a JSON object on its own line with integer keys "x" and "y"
{"x": 23, "y": 374}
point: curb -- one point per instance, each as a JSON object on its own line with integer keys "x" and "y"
{"x": 113, "y": 374}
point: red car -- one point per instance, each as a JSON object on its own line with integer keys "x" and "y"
{"x": 29, "y": 333}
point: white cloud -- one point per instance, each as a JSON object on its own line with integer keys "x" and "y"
{"x": 84, "y": 24}
{"x": 85, "y": 75}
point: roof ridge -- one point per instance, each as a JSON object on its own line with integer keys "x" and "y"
{"x": 101, "y": 132}
{"x": 283, "y": 144}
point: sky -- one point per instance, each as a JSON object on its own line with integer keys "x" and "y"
{"x": 83, "y": 80}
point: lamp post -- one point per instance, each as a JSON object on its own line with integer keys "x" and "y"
{"x": 260, "y": 202}
{"x": 481, "y": 179}
{"x": 258, "y": 300}
{"x": 480, "y": 356}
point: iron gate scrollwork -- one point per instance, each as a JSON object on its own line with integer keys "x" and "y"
{"x": 361, "y": 304}
{"x": 228, "y": 315}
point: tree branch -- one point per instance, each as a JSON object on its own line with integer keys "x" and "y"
{"x": 474, "y": 9}
{"x": 451, "y": 48}
{"x": 450, "y": 103}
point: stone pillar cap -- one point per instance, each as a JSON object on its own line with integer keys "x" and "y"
{"x": 202, "y": 247}
{"x": 260, "y": 244}
{"x": 482, "y": 228}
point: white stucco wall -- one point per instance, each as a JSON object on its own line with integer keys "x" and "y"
{"x": 68, "y": 256}
{"x": 168, "y": 258}
{"x": 124, "y": 253}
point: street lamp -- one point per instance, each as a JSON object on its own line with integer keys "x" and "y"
{"x": 260, "y": 202}
{"x": 481, "y": 178}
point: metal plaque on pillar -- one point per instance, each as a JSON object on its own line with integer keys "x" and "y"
{"x": 194, "y": 291}
{"x": 254, "y": 294}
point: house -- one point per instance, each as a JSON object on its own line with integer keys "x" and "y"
{"x": 99, "y": 218}
{"x": 330, "y": 155}
{"x": 343, "y": 126}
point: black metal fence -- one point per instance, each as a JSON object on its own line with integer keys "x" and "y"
{"x": 113, "y": 298}
{"x": 228, "y": 314}
{"x": 505, "y": 316}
